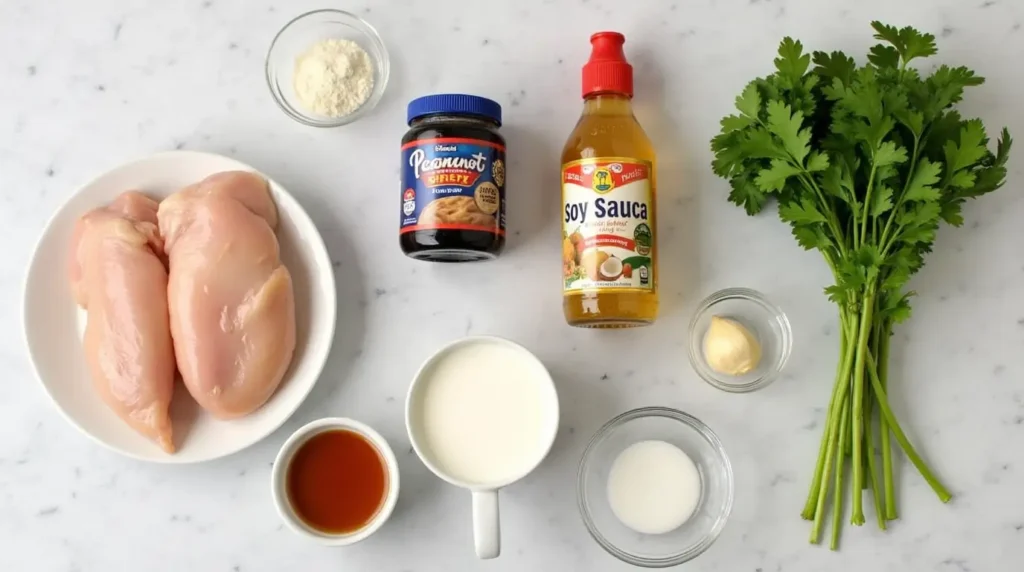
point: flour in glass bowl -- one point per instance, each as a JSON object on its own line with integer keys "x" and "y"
{"x": 333, "y": 77}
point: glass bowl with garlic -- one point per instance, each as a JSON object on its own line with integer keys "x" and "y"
{"x": 739, "y": 341}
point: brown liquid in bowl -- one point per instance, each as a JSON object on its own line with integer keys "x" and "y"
{"x": 337, "y": 482}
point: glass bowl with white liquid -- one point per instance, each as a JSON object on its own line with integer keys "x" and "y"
{"x": 655, "y": 487}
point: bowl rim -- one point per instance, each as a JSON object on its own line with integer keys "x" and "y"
{"x": 690, "y": 422}
{"x": 380, "y": 80}
{"x": 282, "y": 462}
{"x": 697, "y": 361}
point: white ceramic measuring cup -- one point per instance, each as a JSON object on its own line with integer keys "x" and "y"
{"x": 486, "y": 527}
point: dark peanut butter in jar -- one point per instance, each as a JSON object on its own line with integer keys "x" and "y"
{"x": 453, "y": 179}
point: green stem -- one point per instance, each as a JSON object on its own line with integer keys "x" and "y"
{"x": 833, "y": 439}
{"x": 883, "y": 375}
{"x": 812, "y": 494}
{"x": 837, "y": 494}
{"x": 876, "y": 492}
{"x": 899, "y": 200}
{"x": 865, "y": 210}
{"x": 883, "y": 404}
{"x": 874, "y": 226}
{"x": 830, "y": 453}
{"x": 884, "y": 248}
{"x": 827, "y": 207}
{"x": 867, "y": 311}
{"x": 869, "y": 412}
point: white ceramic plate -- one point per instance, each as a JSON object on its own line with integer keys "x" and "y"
{"x": 53, "y": 323}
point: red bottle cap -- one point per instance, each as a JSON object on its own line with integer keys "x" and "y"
{"x": 607, "y": 70}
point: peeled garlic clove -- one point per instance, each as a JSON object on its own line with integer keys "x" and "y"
{"x": 730, "y": 348}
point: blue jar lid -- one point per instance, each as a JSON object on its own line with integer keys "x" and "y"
{"x": 454, "y": 103}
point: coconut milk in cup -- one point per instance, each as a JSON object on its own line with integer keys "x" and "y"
{"x": 481, "y": 414}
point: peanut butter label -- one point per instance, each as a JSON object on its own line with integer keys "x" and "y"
{"x": 607, "y": 225}
{"x": 453, "y": 184}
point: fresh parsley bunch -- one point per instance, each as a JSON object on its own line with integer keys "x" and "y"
{"x": 865, "y": 163}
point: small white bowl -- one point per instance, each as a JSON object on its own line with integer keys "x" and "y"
{"x": 278, "y": 480}
{"x": 299, "y": 35}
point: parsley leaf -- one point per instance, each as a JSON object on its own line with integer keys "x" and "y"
{"x": 889, "y": 154}
{"x": 758, "y": 143}
{"x": 921, "y": 214}
{"x": 749, "y": 102}
{"x": 811, "y": 237}
{"x": 881, "y": 202}
{"x": 950, "y": 212}
{"x": 968, "y": 150}
{"x": 747, "y": 195}
{"x": 792, "y": 63}
{"x": 908, "y": 42}
{"x": 803, "y": 212}
{"x": 920, "y": 187}
{"x": 817, "y": 162}
{"x": 775, "y": 177}
{"x": 736, "y": 123}
{"x": 946, "y": 86}
{"x": 836, "y": 65}
{"x": 884, "y": 56}
{"x": 787, "y": 125}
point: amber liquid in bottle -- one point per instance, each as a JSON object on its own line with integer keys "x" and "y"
{"x": 608, "y": 128}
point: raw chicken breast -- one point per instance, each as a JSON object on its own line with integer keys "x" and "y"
{"x": 118, "y": 276}
{"x": 231, "y": 302}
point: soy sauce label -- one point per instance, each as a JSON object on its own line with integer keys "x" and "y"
{"x": 607, "y": 225}
{"x": 453, "y": 184}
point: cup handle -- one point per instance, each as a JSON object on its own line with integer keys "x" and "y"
{"x": 486, "y": 528}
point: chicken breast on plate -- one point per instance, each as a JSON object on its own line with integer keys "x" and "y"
{"x": 232, "y": 307}
{"x": 119, "y": 277}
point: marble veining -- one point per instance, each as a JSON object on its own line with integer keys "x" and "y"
{"x": 88, "y": 85}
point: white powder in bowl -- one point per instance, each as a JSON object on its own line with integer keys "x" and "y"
{"x": 333, "y": 77}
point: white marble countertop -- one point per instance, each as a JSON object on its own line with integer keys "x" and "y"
{"x": 88, "y": 85}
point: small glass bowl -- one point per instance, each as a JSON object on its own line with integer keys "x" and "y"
{"x": 764, "y": 320}
{"x": 298, "y": 36}
{"x": 699, "y": 443}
